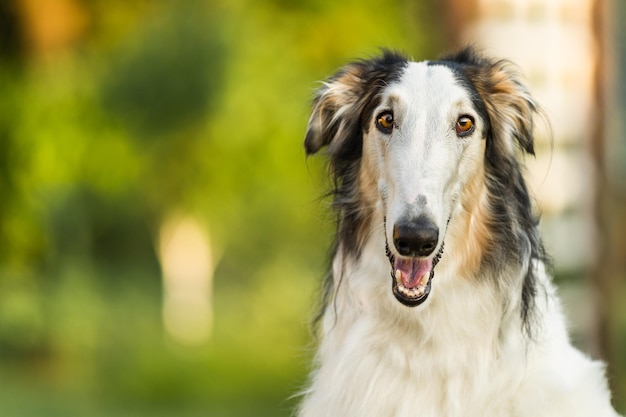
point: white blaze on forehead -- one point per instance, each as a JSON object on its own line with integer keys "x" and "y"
{"x": 426, "y": 101}
{"x": 429, "y": 86}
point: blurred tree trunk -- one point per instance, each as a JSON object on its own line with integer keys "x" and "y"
{"x": 11, "y": 42}
{"x": 605, "y": 273}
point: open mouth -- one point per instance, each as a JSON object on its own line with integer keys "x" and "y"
{"x": 411, "y": 278}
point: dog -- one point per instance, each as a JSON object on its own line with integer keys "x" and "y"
{"x": 439, "y": 301}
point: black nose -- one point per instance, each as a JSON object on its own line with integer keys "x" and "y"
{"x": 416, "y": 238}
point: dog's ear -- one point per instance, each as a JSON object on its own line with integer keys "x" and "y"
{"x": 510, "y": 106}
{"x": 335, "y": 109}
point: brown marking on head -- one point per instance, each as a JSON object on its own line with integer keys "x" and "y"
{"x": 509, "y": 104}
{"x": 335, "y": 99}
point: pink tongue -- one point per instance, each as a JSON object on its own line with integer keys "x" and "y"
{"x": 415, "y": 271}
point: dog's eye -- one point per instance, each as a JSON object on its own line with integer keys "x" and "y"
{"x": 464, "y": 126}
{"x": 384, "y": 122}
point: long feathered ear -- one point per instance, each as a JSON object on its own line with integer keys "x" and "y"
{"x": 510, "y": 105}
{"x": 340, "y": 106}
{"x": 334, "y": 109}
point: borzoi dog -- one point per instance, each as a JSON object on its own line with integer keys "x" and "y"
{"x": 438, "y": 303}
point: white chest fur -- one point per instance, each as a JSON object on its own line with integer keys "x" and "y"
{"x": 463, "y": 354}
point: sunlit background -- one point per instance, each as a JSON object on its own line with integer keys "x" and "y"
{"x": 162, "y": 234}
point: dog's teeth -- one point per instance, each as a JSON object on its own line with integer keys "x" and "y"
{"x": 415, "y": 292}
{"x": 398, "y": 275}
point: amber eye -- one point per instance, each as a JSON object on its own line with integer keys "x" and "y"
{"x": 464, "y": 126}
{"x": 384, "y": 122}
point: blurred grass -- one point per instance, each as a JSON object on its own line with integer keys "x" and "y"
{"x": 106, "y": 354}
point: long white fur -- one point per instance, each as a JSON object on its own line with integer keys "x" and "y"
{"x": 462, "y": 353}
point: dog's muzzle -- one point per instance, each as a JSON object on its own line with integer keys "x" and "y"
{"x": 413, "y": 269}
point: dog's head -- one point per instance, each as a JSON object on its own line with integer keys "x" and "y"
{"x": 408, "y": 138}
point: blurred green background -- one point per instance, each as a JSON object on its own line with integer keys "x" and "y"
{"x": 129, "y": 126}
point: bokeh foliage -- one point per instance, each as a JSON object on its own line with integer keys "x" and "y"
{"x": 153, "y": 108}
